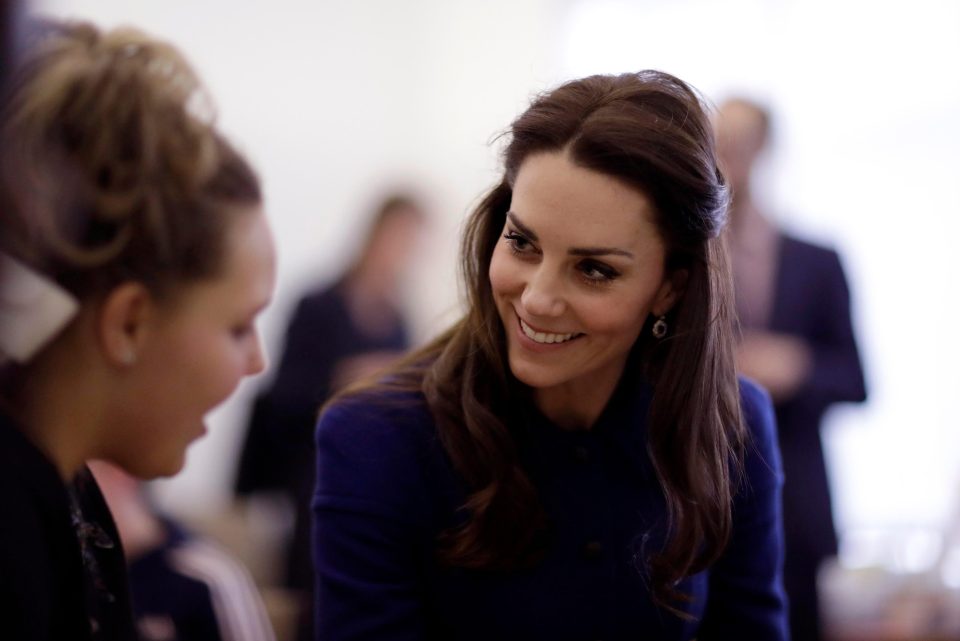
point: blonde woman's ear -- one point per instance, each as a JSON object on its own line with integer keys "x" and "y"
{"x": 123, "y": 321}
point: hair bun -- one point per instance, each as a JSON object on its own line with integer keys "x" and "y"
{"x": 112, "y": 137}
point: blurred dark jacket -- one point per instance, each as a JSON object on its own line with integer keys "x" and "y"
{"x": 278, "y": 454}
{"x": 811, "y": 301}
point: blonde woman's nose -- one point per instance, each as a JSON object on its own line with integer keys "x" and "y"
{"x": 257, "y": 360}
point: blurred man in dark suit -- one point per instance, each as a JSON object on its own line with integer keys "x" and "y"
{"x": 797, "y": 341}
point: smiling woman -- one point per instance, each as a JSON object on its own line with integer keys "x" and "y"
{"x": 576, "y": 458}
{"x": 574, "y": 297}
{"x": 126, "y": 206}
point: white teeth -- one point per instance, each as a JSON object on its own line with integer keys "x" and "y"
{"x": 541, "y": 337}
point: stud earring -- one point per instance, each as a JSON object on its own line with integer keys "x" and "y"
{"x": 659, "y": 328}
{"x": 128, "y": 357}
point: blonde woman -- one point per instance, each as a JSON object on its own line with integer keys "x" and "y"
{"x": 123, "y": 199}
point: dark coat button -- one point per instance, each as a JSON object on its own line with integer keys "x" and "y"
{"x": 593, "y": 550}
{"x": 582, "y": 454}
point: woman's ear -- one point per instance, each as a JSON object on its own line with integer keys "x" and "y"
{"x": 122, "y": 322}
{"x": 671, "y": 290}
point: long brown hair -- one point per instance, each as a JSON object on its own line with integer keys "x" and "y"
{"x": 649, "y": 130}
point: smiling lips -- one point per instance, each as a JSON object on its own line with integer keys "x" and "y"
{"x": 544, "y": 337}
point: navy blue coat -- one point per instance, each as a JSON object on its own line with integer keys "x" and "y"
{"x": 277, "y": 453}
{"x": 386, "y": 489}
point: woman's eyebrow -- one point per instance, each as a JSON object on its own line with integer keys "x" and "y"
{"x": 523, "y": 228}
{"x": 574, "y": 251}
{"x": 599, "y": 251}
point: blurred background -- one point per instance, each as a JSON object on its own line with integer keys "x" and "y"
{"x": 339, "y": 102}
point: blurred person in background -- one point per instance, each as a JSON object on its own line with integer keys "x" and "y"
{"x": 183, "y": 587}
{"x": 337, "y": 334}
{"x": 575, "y": 458}
{"x": 141, "y": 257}
{"x": 797, "y": 341}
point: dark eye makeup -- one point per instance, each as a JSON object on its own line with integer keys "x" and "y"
{"x": 593, "y": 272}
{"x": 518, "y": 243}
{"x": 597, "y": 272}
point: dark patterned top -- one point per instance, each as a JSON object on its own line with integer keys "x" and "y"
{"x": 62, "y": 571}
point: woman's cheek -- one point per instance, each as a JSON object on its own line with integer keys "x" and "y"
{"x": 503, "y": 274}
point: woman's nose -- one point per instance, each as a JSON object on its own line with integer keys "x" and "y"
{"x": 543, "y": 296}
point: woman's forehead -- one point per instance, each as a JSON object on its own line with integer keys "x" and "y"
{"x": 554, "y": 196}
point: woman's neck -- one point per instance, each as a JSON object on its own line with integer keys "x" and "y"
{"x": 57, "y": 410}
{"x": 577, "y": 404}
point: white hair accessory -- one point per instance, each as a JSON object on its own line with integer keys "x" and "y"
{"x": 33, "y": 309}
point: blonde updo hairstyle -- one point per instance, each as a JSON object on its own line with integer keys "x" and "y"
{"x": 116, "y": 171}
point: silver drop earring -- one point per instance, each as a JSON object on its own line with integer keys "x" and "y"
{"x": 659, "y": 328}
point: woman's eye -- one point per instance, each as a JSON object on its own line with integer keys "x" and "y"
{"x": 517, "y": 242}
{"x": 595, "y": 272}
